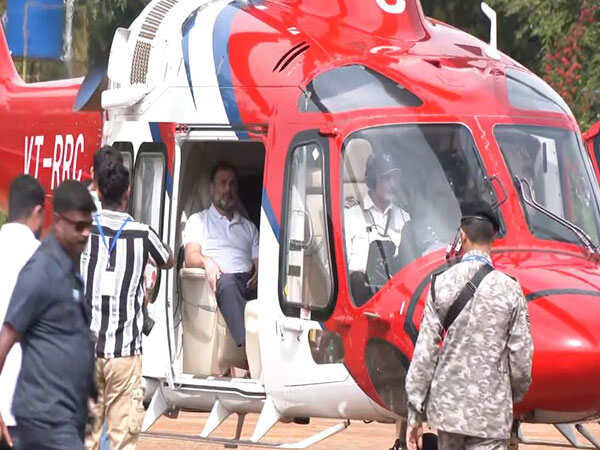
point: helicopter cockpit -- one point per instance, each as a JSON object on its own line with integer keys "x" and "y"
{"x": 427, "y": 165}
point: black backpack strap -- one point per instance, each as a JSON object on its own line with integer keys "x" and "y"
{"x": 465, "y": 295}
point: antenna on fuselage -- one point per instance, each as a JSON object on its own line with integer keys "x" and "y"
{"x": 492, "y": 49}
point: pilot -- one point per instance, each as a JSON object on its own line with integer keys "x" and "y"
{"x": 373, "y": 225}
{"x": 225, "y": 244}
{"x": 467, "y": 386}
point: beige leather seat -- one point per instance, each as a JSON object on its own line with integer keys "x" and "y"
{"x": 208, "y": 348}
{"x": 356, "y": 154}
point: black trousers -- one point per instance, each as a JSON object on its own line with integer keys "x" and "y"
{"x": 232, "y": 295}
{"x": 63, "y": 437}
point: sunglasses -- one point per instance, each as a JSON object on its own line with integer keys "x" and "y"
{"x": 80, "y": 225}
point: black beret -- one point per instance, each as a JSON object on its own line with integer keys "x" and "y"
{"x": 480, "y": 210}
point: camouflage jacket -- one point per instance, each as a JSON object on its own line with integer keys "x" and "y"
{"x": 468, "y": 385}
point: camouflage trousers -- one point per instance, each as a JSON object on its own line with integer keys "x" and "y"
{"x": 451, "y": 441}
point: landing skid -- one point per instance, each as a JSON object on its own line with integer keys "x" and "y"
{"x": 233, "y": 443}
{"x": 571, "y": 432}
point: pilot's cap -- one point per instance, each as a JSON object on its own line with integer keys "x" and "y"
{"x": 380, "y": 164}
{"x": 480, "y": 210}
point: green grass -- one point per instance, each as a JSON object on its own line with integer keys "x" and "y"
{"x": 3, "y": 217}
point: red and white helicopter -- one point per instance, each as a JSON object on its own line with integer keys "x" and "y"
{"x": 299, "y": 95}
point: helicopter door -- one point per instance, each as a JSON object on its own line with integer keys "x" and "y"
{"x": 307, "y": 282}
{"x": 126, "y": 150}
{"x": 147, "y": 205}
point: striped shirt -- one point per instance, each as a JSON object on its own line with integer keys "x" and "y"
{"x": 114, "y": 280}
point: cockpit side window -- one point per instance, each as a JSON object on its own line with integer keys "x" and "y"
{"x": 354, "y": 87}
{"x": 550, "y": 166}
{"x": 402, "y": 188}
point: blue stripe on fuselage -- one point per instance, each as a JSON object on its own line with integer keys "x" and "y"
{"x": 157, "y": 137}
{"x": 266, "y": 203}
{"x": 221, "y": 35}
{"x": 185, "y": 45}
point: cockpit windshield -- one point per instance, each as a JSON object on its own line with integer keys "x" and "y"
{"x": 402, "y": 188}
{"x": 550, "y": 165}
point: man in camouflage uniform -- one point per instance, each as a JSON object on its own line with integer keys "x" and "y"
{"x": 466, "y": 388}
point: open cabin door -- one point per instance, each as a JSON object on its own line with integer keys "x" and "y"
{"x": 147, "y": 205}
{"x": 126, "y": 150}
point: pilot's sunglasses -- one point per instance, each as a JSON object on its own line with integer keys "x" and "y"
{"x": 80, "y": 225}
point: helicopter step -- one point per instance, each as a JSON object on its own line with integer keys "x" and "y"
{"x": 205, "y": 394}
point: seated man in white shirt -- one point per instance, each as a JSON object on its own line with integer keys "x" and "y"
{"x": 373, "y": 224}
{"x": 225, "y": 244}
{"x": 18, "y": 241}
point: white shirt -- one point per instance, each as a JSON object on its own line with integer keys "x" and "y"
{"x": 17, "y": 244}
{"x": 233, "y": 244}
{"x": 387, "y": 225}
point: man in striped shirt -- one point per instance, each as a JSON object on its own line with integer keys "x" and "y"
{"x": 112, "y": 266}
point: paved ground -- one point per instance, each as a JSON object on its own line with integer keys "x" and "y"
{"x": 358, "y": 436}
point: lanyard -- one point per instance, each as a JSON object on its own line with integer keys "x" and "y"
{"x": 371, "y": 223}
{"x": 479, "y": 258}
{"x": 117, "y": 235}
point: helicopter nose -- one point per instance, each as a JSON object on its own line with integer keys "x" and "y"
{"x": 565, "y": 326}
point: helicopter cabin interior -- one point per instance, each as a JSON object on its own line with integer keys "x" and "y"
{"x": 204, "y": 346}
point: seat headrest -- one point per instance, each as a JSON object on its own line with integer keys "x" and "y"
{"x": 356, "y": 154}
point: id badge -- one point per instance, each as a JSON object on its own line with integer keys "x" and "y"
{"x": 109, "y": 284}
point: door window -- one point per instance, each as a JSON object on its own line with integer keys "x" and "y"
{"x": 307, "y": 281}
{"x": 126, "y": 150}
{"x": 149, "y": 185}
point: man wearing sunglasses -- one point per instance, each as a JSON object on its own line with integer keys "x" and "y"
{"x": 48, "y": 315}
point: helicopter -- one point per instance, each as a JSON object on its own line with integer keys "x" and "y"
{"x": 299, "y": 95}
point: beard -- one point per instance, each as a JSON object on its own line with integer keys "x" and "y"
{"x": 225, "y": 202}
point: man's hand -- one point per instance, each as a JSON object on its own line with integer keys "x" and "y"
{"x": 213, "y": 272}
{"x": 253, "y": 280}
{"x": 414, "y": 437}
{"x": 4, "y": 434}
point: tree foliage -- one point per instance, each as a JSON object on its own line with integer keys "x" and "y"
{"x": 104, "y": 17}
{"x": 557, "y": 39}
